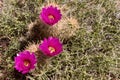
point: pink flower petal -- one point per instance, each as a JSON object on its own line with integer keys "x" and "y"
{"x": 20, "y": 60}
{"x": 53, "y": 43}
{"x": 50, "y": 10}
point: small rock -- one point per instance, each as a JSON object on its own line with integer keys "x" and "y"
{"x": 118, "y": 15}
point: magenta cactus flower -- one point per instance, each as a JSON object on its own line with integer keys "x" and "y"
{"x": 51, "y": 46}
{"x": 25, "y": 61}
{"x": 50, "y": 15}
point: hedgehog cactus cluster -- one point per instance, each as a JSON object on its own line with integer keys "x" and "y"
{"x": 52, "y": 22}
{"x": 48, "y": 30}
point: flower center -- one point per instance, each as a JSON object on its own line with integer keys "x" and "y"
{"x": 51, "y": 49}
{"x": 26, "y": 63}
{"x": 51, "y": 17}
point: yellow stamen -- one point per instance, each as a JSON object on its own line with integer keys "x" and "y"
{"x": 26, "y": 63}
{"x": 51, "y": 49}
{"x": 51, "y": 17}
